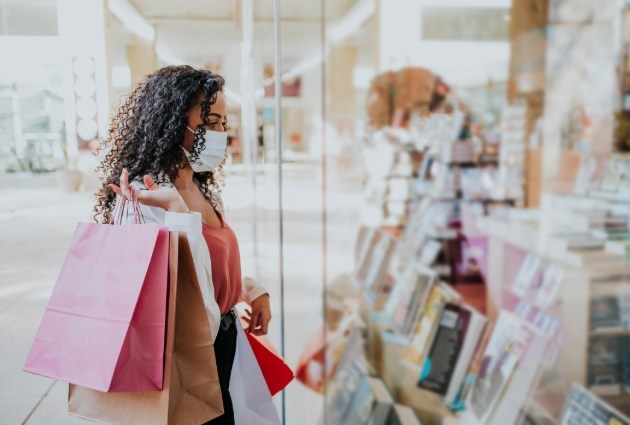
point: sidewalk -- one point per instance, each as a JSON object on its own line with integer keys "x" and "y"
{"x": 36, "y": 224}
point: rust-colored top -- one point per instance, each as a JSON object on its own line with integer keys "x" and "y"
{"x": 226, "y": 265}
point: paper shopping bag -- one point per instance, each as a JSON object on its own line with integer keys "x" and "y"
{"x": 105, "y": 321}
{"x": 252, "y": 401}
{"x": 191, "y": 394}
{"x": 275, "y": 370}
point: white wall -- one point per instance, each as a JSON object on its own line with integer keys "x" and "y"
{"x": 18, "y": 62}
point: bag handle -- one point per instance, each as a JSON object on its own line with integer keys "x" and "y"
{"x": 122, "y": 210}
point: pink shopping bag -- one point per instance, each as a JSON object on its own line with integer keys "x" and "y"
{"x": 104, "y": 326}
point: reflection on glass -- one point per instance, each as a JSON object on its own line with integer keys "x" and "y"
{"x": 442, "y": 187}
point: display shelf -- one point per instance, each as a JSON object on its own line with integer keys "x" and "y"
{"x": 610, "y": 331}
{"x": 532, "y": 406}
{"x": 581, "y": 283}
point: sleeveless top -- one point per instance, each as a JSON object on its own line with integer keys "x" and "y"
{"x": 225, "y": 259}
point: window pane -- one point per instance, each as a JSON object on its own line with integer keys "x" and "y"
{"x": 469, "y": 24}
{"x": 29, "y": 18}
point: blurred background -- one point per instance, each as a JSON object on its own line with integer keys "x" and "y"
{"x": 484, "y": 140}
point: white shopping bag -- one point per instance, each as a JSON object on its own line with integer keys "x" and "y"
{"x": 252, "y": 401}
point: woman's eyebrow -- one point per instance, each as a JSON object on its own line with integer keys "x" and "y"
{"x": 216, "y": 115}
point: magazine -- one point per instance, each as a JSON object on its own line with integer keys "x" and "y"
{"x": 508, "y": 343}
{"x": 584, "y": 408}
{"x": 445, "y": 351}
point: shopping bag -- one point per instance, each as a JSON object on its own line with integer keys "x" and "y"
{"x": 275, "y": 370}
{"x": 252, "y": 401}
{"x": 192, "y": 393}
{"x": 104, "y": 324}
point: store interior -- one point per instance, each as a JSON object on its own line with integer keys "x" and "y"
{"x": 437, "y": 194}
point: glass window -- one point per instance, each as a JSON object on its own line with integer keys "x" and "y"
{"x": 464, "y": 24}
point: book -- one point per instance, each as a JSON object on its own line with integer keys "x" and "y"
{"x": 429, "y": 253}
{"x": 604, "y": 365}
{"x": 419, "y": 286}
{"x": 526, "y": 274}
{"x": 583, "y": 258}
{"x": 617, "y": 247}
{"x": 612, "y": 234}
{"x": 624, "y": 311}
{"x": 616, "y": 175}
{"x": 424, "y": 328}
{"x": 371, "y": 397}
{"x": 399, "y": 297}
{"x": 474, "y": 334}
{"x": 342, "y": 389}
{"x": 427, "y": 326}
{"x": 445, "y": 350}
{"x": 624, "y": 358}
{"x": 552, "y": 281}
{"x": 583, "y": 407}
{"x": 370, "y": 240}
{"x": 507, "y": 344}
{"x": 340, "y": 345}
{"x": 375, "y": 278}
{"x": 353, "y": 350}
{"x": 372, "y": 267}
{"x": 524, "y": 376}
{"x": 586, "y": 171}
{"x": 605, "y": 314}
{"x": 575, "y": 240}
{"x": 413, "y": 236}
{"x": 361, "y": 243}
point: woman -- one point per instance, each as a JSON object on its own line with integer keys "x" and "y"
{"x": 167, "y": 144}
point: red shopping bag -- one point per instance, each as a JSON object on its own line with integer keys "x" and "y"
{"x": 104, "y": 325}
{"x": 275, "y": 370}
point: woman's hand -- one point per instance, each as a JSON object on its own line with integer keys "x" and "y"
{"x": 260, "y": 315}
{"x": 155, "y": 196}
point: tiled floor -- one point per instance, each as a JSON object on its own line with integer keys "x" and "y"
{"x": 36, "y": 224}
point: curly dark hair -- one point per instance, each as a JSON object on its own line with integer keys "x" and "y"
{"x": 146, "y": 134}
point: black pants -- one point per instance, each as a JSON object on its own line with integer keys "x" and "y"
{"x": 224, "y": 351}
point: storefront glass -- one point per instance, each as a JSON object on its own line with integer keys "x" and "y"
{"x": 434, "y": 192}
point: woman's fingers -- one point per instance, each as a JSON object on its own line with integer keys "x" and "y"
{"x": 124, "y": 184}
{"x": 116, "y": 189}
{"x": 253, "y": 323}
{"x": 124, "y": 189}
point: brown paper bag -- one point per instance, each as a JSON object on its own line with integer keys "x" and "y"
{"x": 191, "y": 394}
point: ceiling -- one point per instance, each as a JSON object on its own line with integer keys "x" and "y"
{"x": 291, "y": 10}
{"x": 196, "y": 30}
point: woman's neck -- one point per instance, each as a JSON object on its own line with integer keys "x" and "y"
{"x": 184, "y": 181}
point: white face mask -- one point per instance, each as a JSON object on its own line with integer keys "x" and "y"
{"x": 213, "y": 153}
